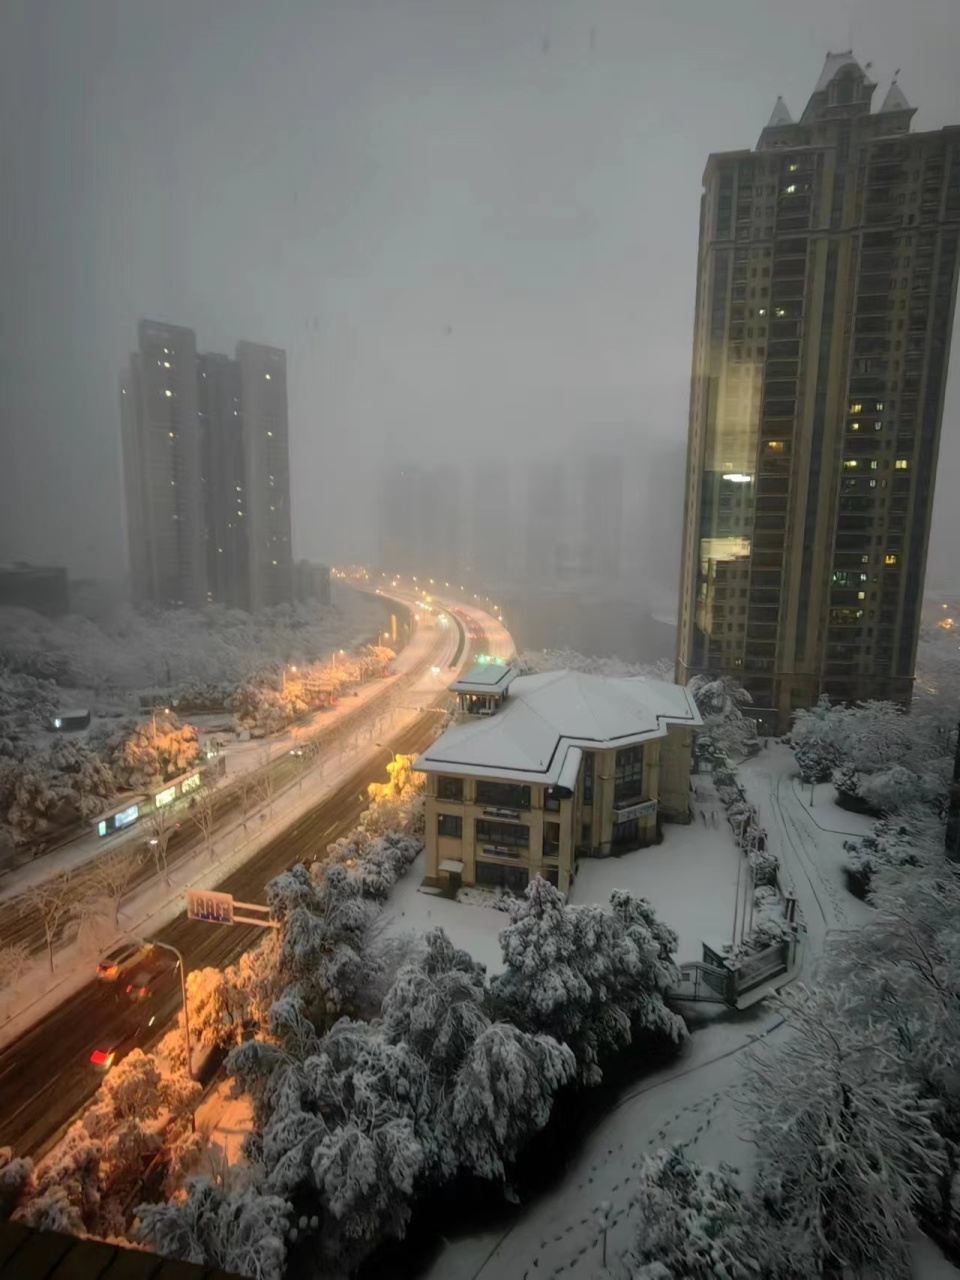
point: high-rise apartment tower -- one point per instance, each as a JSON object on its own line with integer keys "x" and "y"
{"x": 826, "y": 282}
{"x": 206, "y": 472}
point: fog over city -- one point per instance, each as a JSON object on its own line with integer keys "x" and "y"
{"x": 480, "y": 639}
{"x": 472, "y": 228}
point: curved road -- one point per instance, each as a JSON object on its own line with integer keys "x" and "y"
{"x": 45, "y": 1075}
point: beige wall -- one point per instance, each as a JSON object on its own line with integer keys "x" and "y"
{"x": 665, "y": 778}
{"x": 465, "y": 850}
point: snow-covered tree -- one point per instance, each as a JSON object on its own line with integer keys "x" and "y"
{"x": 112, "y": 874}
{"x": 692, "y": 1221}
{"x": 533, "y": 661}
{"x": 503, "y": 1092}
{"x": 845, "y": 1144}
{"x": 16, "y": 1182}
{"x": 244, "y": 1232}
{"x": 587, "y": 977}
{"x": 721, "y": 702}
{"x": 52, "y": 903}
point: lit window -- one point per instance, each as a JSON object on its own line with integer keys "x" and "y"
{"x": 864, "y": 559}
{"x": 267, "y": 376}
{"x": 849, "y": 463}
{"x": 166, "y": 364}
{"x": 873, "y": 484}
{"x": 168, "y": 392}
{"x": 170, "y": 434}
{"x": 878, "y": 425}
{"x": 856, "y": 408}
{"x": 889, "y": 559}
{"x": 270, "y": 434}
{"x": 791, "y": 189}
{"x": 762, "y": 311}
{"x": 874, "y": 464}
{"x": 901, "y": 464}
{"x": 879, "y": 405}
{"x": 854, "y": 426}
{"x": 775, "y": 446}
{"x": 861, "y": 595}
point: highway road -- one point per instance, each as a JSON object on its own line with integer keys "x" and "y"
{"x": 20, "y": 921}
{"x": 45, "y": 1076}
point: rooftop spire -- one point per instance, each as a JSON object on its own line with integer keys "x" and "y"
{"x": 895, "y": 99}
{"x": 779, "y": 115}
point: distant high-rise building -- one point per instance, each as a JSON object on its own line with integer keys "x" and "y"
{"x": 263, "y": 395}
{"x": 206, "y": 472}
{"x": 419, "y": 520}
{"x": 224, "y": 472}
{"x": 491, "y": 534}
{"x": 826, "y": 284}
{"x": 160, "y": 431}
{"x": 550, "y": 550}
{"x": 601, "y": 514}
{"x": 42, "y": 588}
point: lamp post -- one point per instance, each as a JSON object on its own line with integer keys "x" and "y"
{"x": 284, "y": 678}
{"x": 166, "y": 946}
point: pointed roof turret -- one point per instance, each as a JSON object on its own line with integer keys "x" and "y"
{"x": 779, "y": 115}
{"x": 895, "y": 100}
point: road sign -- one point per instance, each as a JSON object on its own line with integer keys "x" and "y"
{"x": 218, "y": 908}
{"x": 204, "y": 904}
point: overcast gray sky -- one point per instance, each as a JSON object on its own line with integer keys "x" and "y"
{"x": 346, "y": 180}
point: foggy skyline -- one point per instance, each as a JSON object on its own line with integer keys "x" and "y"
{"x": 467, "y": 225}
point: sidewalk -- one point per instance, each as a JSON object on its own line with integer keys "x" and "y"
{"x": 241, "y": 758}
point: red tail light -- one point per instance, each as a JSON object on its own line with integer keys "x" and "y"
{"x": 129, "y": 987}
{"x": 143, "y": 991}
{"x": 101, "y": 1059}
{"x": 109, "y": 971}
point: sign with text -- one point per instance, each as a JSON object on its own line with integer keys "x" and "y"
{"x": 647, "y": 809}
{"x": 204, "y": 904}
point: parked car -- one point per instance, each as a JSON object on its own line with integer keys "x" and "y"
{"x": 116, "y": 961}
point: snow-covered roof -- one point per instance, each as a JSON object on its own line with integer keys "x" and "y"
{"x": 483, "y": 678}
{"x": 832, "y": 64}
{"x": 530, "y": 736}
{"x": 779, "y": 115}
{"x": 895, "y": 100}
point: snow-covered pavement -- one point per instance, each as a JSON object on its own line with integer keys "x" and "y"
{"x": 691, "y": 1101}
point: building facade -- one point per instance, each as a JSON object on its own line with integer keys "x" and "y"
{"x": 826, "y": 283}
{"x": 206, "y": 473}
{"x": 541, "y": 770}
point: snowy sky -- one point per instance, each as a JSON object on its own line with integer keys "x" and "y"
{"x": 469, "y": 222}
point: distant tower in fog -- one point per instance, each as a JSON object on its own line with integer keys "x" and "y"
{"x": 206, "y": 472}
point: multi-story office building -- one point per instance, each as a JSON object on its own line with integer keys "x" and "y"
{"x": 826, "y": 282}
{"x": 419, "y": 520}
{"x": 206, "y": 472}
{"x": 601, "y": 514}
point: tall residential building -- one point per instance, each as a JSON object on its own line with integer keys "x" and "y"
{"x": 601, "y": 514}
{"x": 826, "y": 282}
{"x": 206, "y": 472}
{"x": 551, "y": 551}
{"x": 160, "y": 433}
{"x": 266, "y": 452}
{"x": 492, "y": 527}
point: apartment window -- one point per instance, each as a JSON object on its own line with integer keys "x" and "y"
{"x": 628, "y": 775}
{"x": 450, "y": 788}
{"x": 901, "y": 464}
{"x": 551, "y": 801}
{"x": 856, "y": 408}
{"x": 503, "y": 795}
{"x": 849, "y": 463}
{"x": 450, "y": 825}
{"x": 505, "y": 834}
{"x": 889, "y": 559}
{"x": 589, "y": 770}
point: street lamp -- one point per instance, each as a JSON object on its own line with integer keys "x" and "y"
{"x": 166, "y": 946}
{"x": 284, "y": 677}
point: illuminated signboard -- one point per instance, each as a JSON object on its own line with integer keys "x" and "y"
{"x": 204, "y": 904}
{"x": 126, "y": 816}
{"x": 165, "y": 796}
{"x": 190, "y": 784}
{"x": 102, "y": 827}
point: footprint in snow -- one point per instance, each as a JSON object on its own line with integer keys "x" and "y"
{"x": 567, "y": 1230}
{"x": 615, "y": 1187}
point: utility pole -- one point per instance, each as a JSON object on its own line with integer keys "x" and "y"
{"x": 951, "y": 842}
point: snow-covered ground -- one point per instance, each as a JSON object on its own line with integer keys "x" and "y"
{"x": 691, "y": 1100}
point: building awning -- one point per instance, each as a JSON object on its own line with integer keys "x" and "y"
{"x": 451, "y": 864}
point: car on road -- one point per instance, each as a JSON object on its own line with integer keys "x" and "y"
{"x": 120, "y": 958}
{"x": 114, "y": 1045}
{"x": 157, "y": 977}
